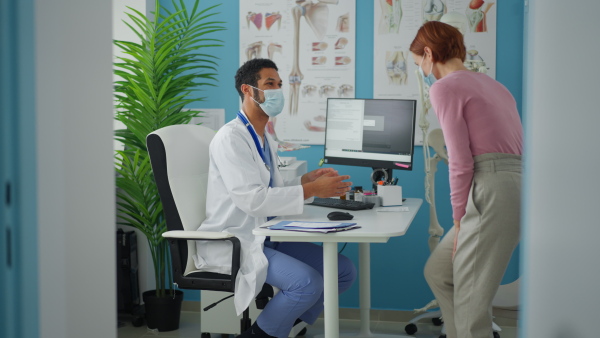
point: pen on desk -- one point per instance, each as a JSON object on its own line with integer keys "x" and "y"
{"x": 402, "y": 165}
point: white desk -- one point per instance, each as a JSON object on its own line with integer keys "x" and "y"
{"x": 376, "y": 227}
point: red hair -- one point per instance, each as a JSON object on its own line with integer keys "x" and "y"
{"x": 445, "y": 41}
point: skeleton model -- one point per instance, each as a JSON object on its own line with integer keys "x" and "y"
{"x": 316, "y": 15}
{"x": 474, "y": 62}
{"x": 391, "y": 15}
{"x": 476, "y": 12}
{"x": 457, "y": 20}
{"x": 395, "y": 64}
{"x": 433, "y": 10}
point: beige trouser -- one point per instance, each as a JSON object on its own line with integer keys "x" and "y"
{"x": 488, "y": 235}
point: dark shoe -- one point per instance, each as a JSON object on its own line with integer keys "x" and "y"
{"x": 255, "y": 332}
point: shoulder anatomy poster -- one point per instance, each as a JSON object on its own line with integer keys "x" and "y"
{"x": 312, "y": 42}
{"x": 396, "y": 25}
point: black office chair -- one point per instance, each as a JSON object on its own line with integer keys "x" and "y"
{"x": 179, "y": 157}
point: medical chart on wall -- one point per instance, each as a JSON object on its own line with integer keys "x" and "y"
{"x": 396, "y": 24}
{"x": 313, "y": 45}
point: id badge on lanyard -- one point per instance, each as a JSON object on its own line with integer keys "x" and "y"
{"x": 255, "y": 138}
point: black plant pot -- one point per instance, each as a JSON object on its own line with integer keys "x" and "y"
{"x": 162, "y": 313}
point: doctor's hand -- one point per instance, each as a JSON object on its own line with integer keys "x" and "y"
{"x": 313, "y": 175}
{"x": 329, "y": 184}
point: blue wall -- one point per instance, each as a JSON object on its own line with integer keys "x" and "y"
{"x": 397, "y": 267}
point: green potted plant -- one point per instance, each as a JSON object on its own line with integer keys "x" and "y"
{"x": 156, "y": 77}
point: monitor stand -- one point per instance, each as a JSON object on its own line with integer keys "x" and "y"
{"x": 381, "y": 174}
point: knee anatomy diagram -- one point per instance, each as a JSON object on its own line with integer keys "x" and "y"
{"x": 395, "y": 64}
{"x": 391, "y": 15}
{"x": 477, "y": 15}
{"x": 433, "y": 10}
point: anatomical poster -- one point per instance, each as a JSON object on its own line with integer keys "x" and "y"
{"x": 312, "y": 42}
{"x": 396, "y": 24}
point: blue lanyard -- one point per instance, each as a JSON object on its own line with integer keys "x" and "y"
{"x": 255, "y": 138}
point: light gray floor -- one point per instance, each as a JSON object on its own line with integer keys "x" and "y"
{"x": 190, "y": 328}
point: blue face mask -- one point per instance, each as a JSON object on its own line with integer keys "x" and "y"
{"x": 274, "y": 101}
{"x": 429, "y": 79}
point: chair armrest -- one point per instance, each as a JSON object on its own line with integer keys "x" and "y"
{"x": 196, "y": 235}
{"x": 179, "y": 257}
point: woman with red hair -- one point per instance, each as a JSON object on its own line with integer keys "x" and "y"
{"x": 484, "y": 138}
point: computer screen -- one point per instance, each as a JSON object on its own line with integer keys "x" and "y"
{"x": 377, "y": 133}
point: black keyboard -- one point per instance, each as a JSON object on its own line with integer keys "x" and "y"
{"x": 342, "y": 204}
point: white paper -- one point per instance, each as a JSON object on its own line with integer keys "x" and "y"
{"x": 312, "y": 225}
{"x": 211, "y": 118}
{"x": 392, "y": 209}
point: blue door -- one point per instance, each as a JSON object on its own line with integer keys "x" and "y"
{"x": 18, "y": 227}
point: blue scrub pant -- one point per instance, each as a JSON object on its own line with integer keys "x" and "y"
{"x": 297, "y": 270}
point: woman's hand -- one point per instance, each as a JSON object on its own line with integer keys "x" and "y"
{"x": 456, "y": 230}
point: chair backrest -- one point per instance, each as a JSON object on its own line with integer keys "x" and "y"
{"x": 180, "y": 160}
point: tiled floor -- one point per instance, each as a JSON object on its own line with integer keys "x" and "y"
{"x": 190, "y": 328}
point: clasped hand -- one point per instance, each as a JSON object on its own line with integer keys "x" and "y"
{"x": 325, "y": 182}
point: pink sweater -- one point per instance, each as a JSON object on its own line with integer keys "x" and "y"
{"x": 478, "y": 115}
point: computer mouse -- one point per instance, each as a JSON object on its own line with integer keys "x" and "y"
{"x": 339, "y": 216}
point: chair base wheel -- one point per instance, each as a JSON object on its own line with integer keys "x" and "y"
{"x": 410, "y": 329}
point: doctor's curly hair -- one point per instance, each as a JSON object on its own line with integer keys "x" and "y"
{"x": 249, "y": 73}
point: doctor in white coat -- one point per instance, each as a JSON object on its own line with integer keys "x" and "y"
{"x": 245, "y": 189}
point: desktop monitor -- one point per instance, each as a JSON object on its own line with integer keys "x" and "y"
{"x": 377, "y": 133}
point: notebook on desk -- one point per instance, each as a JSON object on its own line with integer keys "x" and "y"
{"x": 320, "y": 227}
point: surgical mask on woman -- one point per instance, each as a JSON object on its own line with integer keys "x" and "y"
{"x": 274, "y": 101}
{"x": 429, "y": 79}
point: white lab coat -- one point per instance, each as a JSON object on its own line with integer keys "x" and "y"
{"x": 239, "y": 200}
